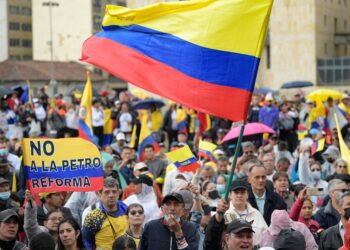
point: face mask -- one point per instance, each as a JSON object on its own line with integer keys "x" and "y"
{"x": 4, "y": 152}
{"x": 214, "y": 195}
{"x": 221, "y": 188}
{"x": 242, "y": 174}
{"x": 347, "y": 213}
{"x": 166, "y": 217}
{"x": 5, "y": 195}
{"x": 316, "y": 175}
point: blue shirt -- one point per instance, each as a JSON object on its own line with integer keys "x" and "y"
{"x": 260, "y": 201}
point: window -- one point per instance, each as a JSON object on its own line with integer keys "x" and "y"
{"x": 121, "y": 3}
{"x": 14, "y": 42}
{"x": 27, "y": 57}
{"x": 27, "y": 43}
{"x": 14, "y": 26}
{"x": 268, "y": 57}
{"x": 14, "y": 10}
{"x": 97, "y": 5}
{"x": 26, "y": 27}
{"x": 26, "y": 11}
{"x": 15, "y": 57}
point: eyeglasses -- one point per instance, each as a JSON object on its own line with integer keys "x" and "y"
{"x": 133, "y": 213}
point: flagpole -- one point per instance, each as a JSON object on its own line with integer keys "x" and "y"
{"x": 238, "y": 147}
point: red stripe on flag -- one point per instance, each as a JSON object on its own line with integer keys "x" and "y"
{"x": 229, "y": 102}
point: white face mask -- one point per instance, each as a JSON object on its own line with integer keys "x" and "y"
{"x": 5, "y": 195}
{"x": 316, "y": 175}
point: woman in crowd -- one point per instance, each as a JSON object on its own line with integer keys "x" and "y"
{"x": 302, "y": 211}
{"x": 221, "y": 185}
{"x": 136, "y": 218}
{"x": 124, "y": 242}
{"x": 241, "y": 209}
{"x": 69, "y": 235}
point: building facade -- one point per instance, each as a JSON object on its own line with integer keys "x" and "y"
{"x": 16, "y": 38}
{"x": 307, "y": 40}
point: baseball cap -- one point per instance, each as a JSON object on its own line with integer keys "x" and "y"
{"x": 187, "y": 197}
{"x": 120, "y": 136}
{"x": 145, "y": 179}
{"x": 239, "y": 225}
{"x": 238, "y": 184}
{"x": 7, "y": 214}
{"x": 140, "y": 165}
{"x": 45, "y": 194}
{"x": 173, "y": 196}
{"x": 3, "y": 180}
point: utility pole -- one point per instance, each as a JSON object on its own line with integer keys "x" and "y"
{"x": 51, "y": 4}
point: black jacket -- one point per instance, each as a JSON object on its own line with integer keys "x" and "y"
{"x": 273, "y": 201}
{"x": 156, "y": 235}
{"x": 327, "y": 216}
{"x": 42, "y": 216}
{"x": 331, "y": 239}
{"x": 213, "y": 232}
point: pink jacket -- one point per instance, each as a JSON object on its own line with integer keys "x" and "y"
{"x": 280, "y": 220}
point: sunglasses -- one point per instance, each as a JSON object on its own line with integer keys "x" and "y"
{"x": 133, "y": 213}
{"x": 342, "y": 166}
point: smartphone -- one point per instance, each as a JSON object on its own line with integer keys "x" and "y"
{"x": 312, "y": 191}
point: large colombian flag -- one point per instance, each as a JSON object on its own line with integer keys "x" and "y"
{"x": 85, "y": 116}
{"x": 203, "y": 54}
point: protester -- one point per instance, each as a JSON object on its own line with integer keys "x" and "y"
{"x": 170, "y": 232}
{"x": 50, "y": 223}
{"x": 124, "y": 242}
{"x": 280, "y": 220}
{"x": 333, "y": 237}
{"x": 240, "y": 207}
{"x": 69, "y": 235}
{"x": 145, "y": 195}
{"x": 136, "y": 219}
{"x": 9, "y": 223}
{"x": 51, "y": 201}
{"x": 264, "y": 200}
{"x": 239, "y": 235}
{"x": 110, "y": 211}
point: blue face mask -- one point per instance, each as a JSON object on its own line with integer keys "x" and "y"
{"x": 221, "y": 188}
{"x": 5, "y": 195}
{"x": 316, "y": 175}
{"x": 4, "y": 152}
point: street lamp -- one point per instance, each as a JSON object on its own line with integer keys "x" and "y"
{"x": 51, "y": 4}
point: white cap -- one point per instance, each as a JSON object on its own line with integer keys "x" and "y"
{"x": 120, "y": 136}
{"x": 269, "y": 97}
{"x": 218, "y": 152}
{"x": 139, "y": 165}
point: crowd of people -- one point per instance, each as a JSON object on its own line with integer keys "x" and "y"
{"x": 285, "y": 193}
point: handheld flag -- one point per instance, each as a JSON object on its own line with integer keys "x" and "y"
{"x": 318, "y": 146}
{"x": 203, "y": 54}
{"x": 206, "y": 150}
{"x": 85, "y": 116}
{"x": 146, "y": 138}
{"x": 344, "y": 150}
{"x": 183, "y": 159}
{"x": 70, "y": 164}
{"x": 204, "y": 122}
{"x": 181, "y": 120}
{"x": 107, "y": 128}
{"x": 27, "y": 95}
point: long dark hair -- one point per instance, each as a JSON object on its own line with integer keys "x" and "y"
{"x": 76, "y": 227}
{"x": 124, "y": 242}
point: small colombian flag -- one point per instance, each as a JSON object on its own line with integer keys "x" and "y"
{"x": 318, "y": 146}
{"x": 183, "y": 159}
